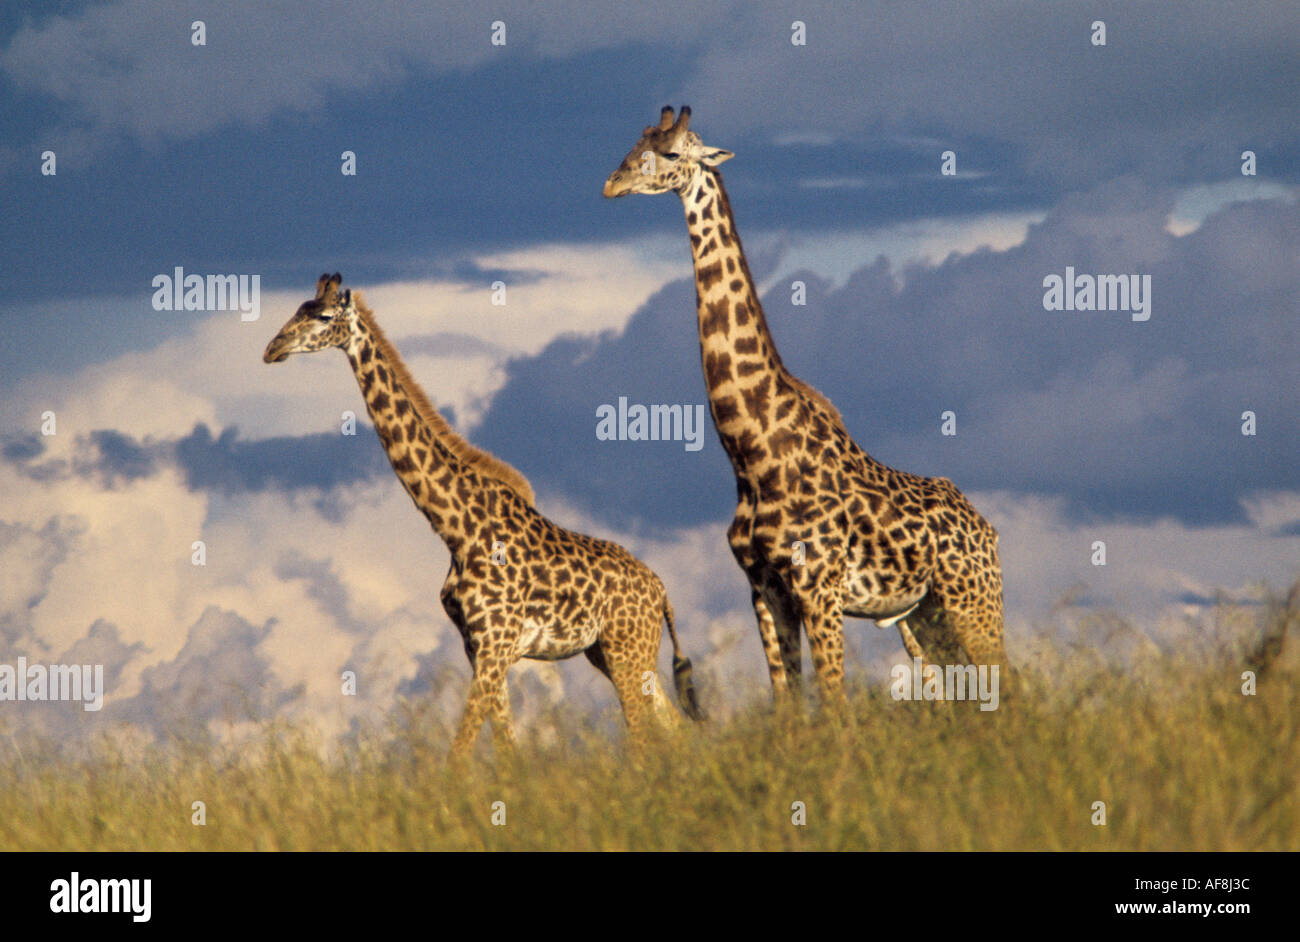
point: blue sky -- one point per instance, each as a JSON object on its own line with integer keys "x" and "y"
{"x": 478, "y": 163}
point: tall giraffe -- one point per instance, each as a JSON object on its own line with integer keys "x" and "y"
{"x": 519, "y": 585}
{"x": 822, "y": 530}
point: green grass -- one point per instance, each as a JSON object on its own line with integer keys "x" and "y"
{"x": 1181, "y": 758}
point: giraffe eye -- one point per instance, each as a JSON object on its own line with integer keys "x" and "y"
{"x": 672, "y": 156}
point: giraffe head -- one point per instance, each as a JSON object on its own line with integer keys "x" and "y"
{"x": 666, "y": 158}
{"x": 323, "y": 322}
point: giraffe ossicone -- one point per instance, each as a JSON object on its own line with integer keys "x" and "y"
{"x": 873, "y": 542}
{"x": 519, "y": 585}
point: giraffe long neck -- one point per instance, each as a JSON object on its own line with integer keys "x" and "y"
{"x": 423, "y": 454}
{"x": 749, "y": 387}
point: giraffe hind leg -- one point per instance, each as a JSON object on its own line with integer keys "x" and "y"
{"x": 628, "y": 678}
{"x": 662, "y": 708}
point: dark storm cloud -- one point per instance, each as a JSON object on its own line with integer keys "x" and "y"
{"x": 232, "y": 465}
{"x": 462, "y": 146}
{"x": 1122, "y": 418}
{"x": 22, "y": 449}
{"x": 105, "y": 455}
{"x": 119, "y": 458}
{"x": 227, "y": 463}
{"x": 470, "y": 273}
{"x": 544, "y": 419}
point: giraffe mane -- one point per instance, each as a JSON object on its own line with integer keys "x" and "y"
{"x": 811, "y": 392}
{"x": 482, "y": 461}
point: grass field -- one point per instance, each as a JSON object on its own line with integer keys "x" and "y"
{"x": 1180, "y": 757}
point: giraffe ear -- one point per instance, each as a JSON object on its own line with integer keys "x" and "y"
{"x": 713, "y": 156}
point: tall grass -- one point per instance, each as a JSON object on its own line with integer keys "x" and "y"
{"x": 1180, "y": 757}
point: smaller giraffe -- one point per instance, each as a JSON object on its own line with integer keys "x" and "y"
{"x": 519, "y": 586}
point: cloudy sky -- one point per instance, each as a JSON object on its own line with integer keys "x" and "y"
{"x": 479, "y": 162}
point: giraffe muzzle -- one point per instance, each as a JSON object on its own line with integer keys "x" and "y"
{"x": 275, "y": 352}
{"x": 612, "y": 186}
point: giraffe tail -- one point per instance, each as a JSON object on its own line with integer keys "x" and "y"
{"x": 682, "y": 675}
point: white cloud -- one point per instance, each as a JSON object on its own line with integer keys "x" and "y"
{"x": 129, "y": 564}
{"x": 1197, "y": 203}
{"x": 214, "y": 373}
{"x": 580, "y": 288}
{"x": 1151, "y": 567}
{"x": 837, "y": 255}
{"x": 137, "y": 394}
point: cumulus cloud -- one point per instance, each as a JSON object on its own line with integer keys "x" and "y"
{"x": 288, "y": 599}
{"x": 30, "y": 551}
{"x": 218, "y": 677}
{"x": 229, "y": 464}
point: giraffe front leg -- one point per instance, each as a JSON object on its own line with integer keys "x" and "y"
{"x": 778, "y": 633}
{"x": 913, "y": 646}
{"x": 487, "y": 699}
{"x": 824, "y": 616}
